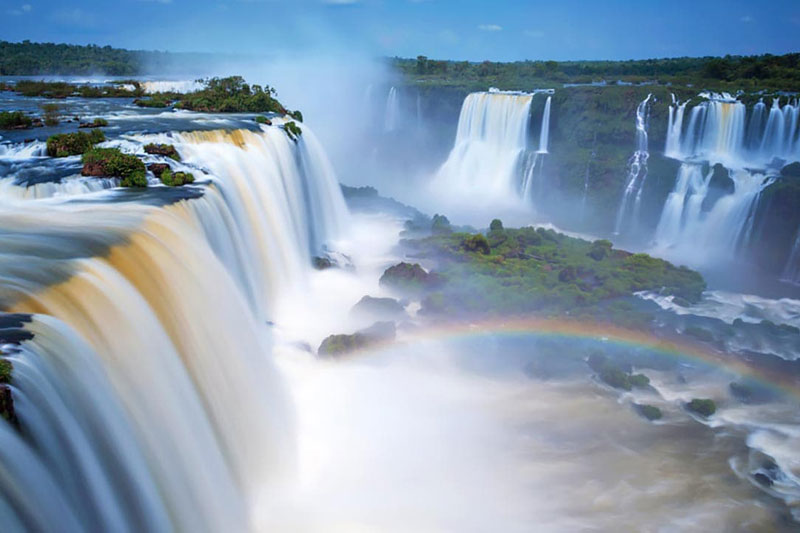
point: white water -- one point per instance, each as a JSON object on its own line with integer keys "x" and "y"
{"x": 637, "y": 171}
{"x": 274, "y": 203}
{"x": 182, "y": 86}
{"x": 392, "y": 113}
{"x": 491, "y": 161}
{"x": 149, "y": 401}
{"x": 718, "y": 131}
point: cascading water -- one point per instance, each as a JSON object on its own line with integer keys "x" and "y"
{"x": 147, "y": 398}
{"x": 266, "y": 229}
{"x": 752, "y": 151}
{"x": 637, "y": 170}
{"x": 392, "y": 113}
{"x": 491, "y": 158}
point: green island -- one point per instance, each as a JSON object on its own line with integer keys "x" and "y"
{"x": 532, "y": 271}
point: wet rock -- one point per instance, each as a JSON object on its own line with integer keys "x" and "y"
{"x": 157, "y": 168}
{"x": 336, "y": 345}
{"x": 379, "y": 308}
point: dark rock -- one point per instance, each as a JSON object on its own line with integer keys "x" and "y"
{"x": 763, "y": 479}
{"x": 650, "y": 412}
{"x": 157, "y": 168}
{"x": 166, "y": 150}
{"x": 406, "y": 277}
{"x": 380, "y": 308}
{"x": 322, "y": 263}
{"x": 335, "y": 345}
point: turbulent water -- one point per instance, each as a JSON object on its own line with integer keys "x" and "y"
{"x": 165, "y": 376}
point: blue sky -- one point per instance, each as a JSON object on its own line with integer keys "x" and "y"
{"x": 499, "y": 30}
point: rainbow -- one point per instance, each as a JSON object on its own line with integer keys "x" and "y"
{"x": 677, "y": 347}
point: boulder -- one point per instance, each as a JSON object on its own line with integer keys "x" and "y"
{"x": 379, "y": 308}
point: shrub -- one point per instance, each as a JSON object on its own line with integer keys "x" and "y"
{"x": 297, "y": 115}
{"x": 5, "y": 370}
{"x": 703, "y": 407}
{"x": 496, "y": 225}
{"x": 292, "y": 130}
{"x": 600, "y": 249}
{"x": 51, "y": 113}
{"x": 176, "y": 179}
{"x": 111, "y": 162}
{"x": 14, "y": 119}
{"x": 261, "y": 119}
{"x": 156, "y": 101}
{"x": 66, "y": 144}
{"x": 616, "y": 377}
{"x": 231, "y": 95}
{"x": 639, "y": 381}
{"x": 477, "y": 243}
{"x": 166, "y": 150}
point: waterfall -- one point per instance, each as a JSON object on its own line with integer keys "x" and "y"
{"x": 686, "y": 231}
{"x": 491, "y": 158}
{"x": 791, "y": 271}
{"x": 392, "y": 114}
{"x": 637, "y": 168}
{"x": 719, "y": 131}
{"x": 147, "y": 397}
{"x": 273, "y": 203}
{"x": 544, "y": 134}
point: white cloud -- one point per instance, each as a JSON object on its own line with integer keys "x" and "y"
{"x": 24, "y": 8}
{"x": 490, "y": 27}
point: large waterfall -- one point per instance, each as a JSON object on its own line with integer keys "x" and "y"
{"x": 147, "y": 398}
{"x": 750, "y": 147}
{"x": 637, "y": 170}
{"x": 492, "y": 158}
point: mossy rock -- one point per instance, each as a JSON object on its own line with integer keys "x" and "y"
{"x": 379, "y": 308}
{"x": 337, "y": 345}
{"x": 261, "y": 119}
{"x": 166, "y": 150}
{"x": 111, "y": 162}
{"x": 406, "y": 277}
{"x": 639, "y": 381}
{"x": 702, "y": 406}
{"x": 176, "y": 179}
{"x": 650, "y": 412}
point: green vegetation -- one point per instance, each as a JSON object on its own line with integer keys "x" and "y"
{"x": 231, "y": 95}
{"x": 292, "y": 130}
{"x": 650, "y": 412}
{"x": 167, "y": 150}
{"x": 14, "y": 120}
{"x": 702, "y": 407}
{"x": 51, "y": 113}
{"x": 175, "y": 179}
{"x": 729, "y": 72}
{"x": 529, "y": 270}
{"x": 158, "y": 101}
{"x": 296, "y": 114}
{"x": 261, "y": 119}
{"x": 5, "y": 370}
{"x": 96, "y": 123}
{"x": 30, "y": 59}
{"x": 61, "y": 89}
{"x": 112, "y": 162}
{"x": 66, "y": 144}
